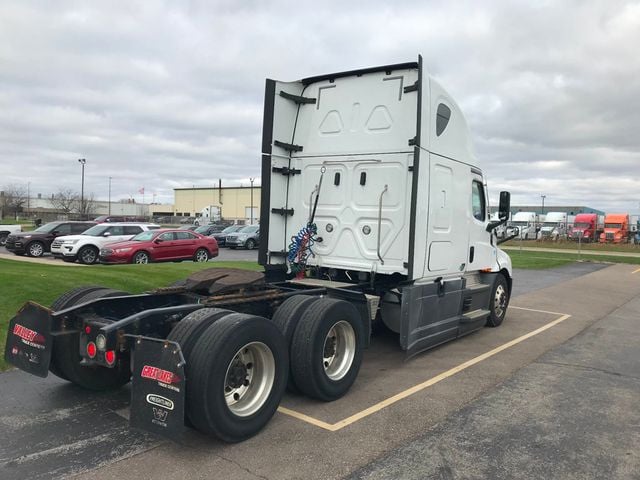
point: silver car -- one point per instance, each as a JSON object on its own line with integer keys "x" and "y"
{"x": 247, "y": 237}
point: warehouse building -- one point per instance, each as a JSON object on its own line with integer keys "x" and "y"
{"x": 236, "y": 203}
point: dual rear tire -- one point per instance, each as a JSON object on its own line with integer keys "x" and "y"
{"x": 237, "y": 368}
{"x": 326, "y": 342}
{"x": 65, "y": 357}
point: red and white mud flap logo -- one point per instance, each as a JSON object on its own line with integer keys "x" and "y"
{"x": 29, "y": 340}
{"x": 158, "y": 387}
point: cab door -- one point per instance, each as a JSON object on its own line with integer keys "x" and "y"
{"x": 481, "y": 253}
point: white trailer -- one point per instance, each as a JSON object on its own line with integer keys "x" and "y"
{"x": 373, "y": 209}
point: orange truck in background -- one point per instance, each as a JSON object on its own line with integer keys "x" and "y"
{"x": 616, "y": 228}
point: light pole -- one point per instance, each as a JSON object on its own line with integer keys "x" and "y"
{"x": 109, "y": 195}
{"x": 251, "y": 179}
{"x": 82, "y": 162}
{"x": 543, "y": 197}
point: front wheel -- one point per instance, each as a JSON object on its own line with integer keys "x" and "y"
{"x": 88, "y": 255}
{"x": 141, "y": 257}
{"x": 498, "y": 302}
{"x": 201, "y": 255}
{"x": 36, "y": 249}
{"x": 3, "y": 239}
{"x": 237, "y": 376}
{"x": 251, "y": 244}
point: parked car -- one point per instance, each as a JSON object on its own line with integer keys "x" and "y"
{"x": 247, "y": 237}
{"x": 6, "y": 230}
{"x": 159, "y": 246}
{"x": 119, "y": 218}
{"x": 221, "y": 237}
{"x": 189, "y": 227}
{"x": 209, "y": 230}
{"x": 37, "y": 242}
{"x": 86, "y": 247}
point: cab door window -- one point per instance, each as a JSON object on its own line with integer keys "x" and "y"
{"x": 478, "y": 206}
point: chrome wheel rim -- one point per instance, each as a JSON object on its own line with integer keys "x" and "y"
{"x": 142, "y": 258}
{"x": 339, "y": 350}
{"x": 249, "y": 379}
{"x": 35, "y": 250}
{"x": 201, "y": 256}
{"x": 500, "y": 300}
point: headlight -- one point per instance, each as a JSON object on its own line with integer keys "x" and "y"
{"x": 123, "y": 250}
{"x": 242, "y": 236}
{"x": 70, "y": 242}
{"x": 27, "y": 236}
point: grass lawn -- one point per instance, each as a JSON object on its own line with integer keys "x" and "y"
{"x": 566, "y": 245}
{"x": 536, "y": 260}
{"x": 22, "y": 281}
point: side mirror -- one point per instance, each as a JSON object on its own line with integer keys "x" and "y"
{"x": 55, "y": 232}
{"x": 158, "y": 240}
{"x": 106, "y": 234}
{"x": 505, "y": 204}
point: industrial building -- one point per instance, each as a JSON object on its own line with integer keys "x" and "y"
{"x": 538, "y": 209}
{"x": 236, "y": 203}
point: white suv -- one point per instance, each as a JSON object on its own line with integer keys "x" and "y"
{"x": 85, "y": 247}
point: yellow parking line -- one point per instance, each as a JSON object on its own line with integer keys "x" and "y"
{"x": 635, "y": 271}
{"x": 421, "y": 386}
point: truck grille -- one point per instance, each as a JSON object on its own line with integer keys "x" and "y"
{"x": 608, "y": 236}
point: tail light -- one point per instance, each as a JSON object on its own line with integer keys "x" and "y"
{"x": 91, "y": 349}
{"x": 110, "y": 357}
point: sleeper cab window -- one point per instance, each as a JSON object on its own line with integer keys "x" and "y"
{"x": 477, "y": 201}
{"x": 442, "y": 118}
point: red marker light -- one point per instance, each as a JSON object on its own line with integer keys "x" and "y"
{"x": 110, "y": 357}
{"x": 91, "y": 349}
{"x": 87, "y": 329}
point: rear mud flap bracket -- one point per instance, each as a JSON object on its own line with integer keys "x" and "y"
{"x": 158, "y": 387}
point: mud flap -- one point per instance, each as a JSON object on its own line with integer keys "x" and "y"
{"x": 158, "y": 387}
{"x": 29, "y": 340}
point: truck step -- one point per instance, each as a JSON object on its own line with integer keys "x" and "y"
{"x": 476, "y": 288}
{"x": 475, "y": 316}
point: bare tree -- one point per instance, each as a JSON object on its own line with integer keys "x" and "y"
{"x": 66, "y": 200}
{"x": 14, "y": 199}
{"x": 87, "y": 206}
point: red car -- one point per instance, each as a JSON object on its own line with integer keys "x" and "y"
{"x": 160, "y": 246}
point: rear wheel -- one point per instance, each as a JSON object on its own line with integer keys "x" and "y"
{"x": 286, "y": 319}
{"x": 201, "y": 255}
{"x": 67, "y": 300}
{"x": 141, "y": 257}
{"x": 327, "y": 348}
{"x": 66, "y": 355}
{"x": 498, "y": 302}
{"x": 238, "y": 375}
{"x": 88, "y": 255}
{"x": 35, "y": 249}
{"x": 3, "y": 239}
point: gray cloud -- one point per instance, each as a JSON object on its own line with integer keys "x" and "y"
{"x": 166, "y": 94}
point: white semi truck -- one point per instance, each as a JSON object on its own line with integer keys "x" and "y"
{"x": 526, "y": 223}
{"x": 373, "y": 209}
{"x": 555, "y": 225}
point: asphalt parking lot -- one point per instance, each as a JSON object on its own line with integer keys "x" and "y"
{"x": 552, "y": 393}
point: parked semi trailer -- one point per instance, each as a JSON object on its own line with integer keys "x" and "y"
{"x": 587, "y": 227}
{"x": 554, "y": 226}
{"x": 616, "y": 228}
{"x": 373, "y": 210}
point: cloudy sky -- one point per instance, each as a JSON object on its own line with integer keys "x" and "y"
{"x": 169, "y": 94}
